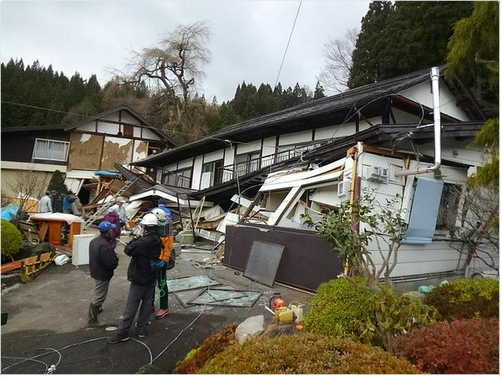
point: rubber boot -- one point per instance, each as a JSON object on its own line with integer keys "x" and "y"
{"x": 93, "y": 315}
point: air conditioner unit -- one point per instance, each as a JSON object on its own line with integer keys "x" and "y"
{"x": 375, "y": 172}
{"x": 343, "y": 188}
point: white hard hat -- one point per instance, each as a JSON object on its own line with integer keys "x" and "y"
{"x": 149, "y": 220}
{"x": 161, "y": 215}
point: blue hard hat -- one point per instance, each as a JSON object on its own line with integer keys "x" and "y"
{"x": 105, "y": 226}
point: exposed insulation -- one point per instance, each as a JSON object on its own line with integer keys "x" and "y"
{"x": 85, "y": 154}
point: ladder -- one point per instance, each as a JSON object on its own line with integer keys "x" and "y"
{"x": 105, "y": 206}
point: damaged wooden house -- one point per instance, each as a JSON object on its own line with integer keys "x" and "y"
{"x": 96, "y": 143}
{"x": 394, "y": 137}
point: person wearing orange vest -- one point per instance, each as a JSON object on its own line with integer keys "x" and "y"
{"x": 167, "y": 256}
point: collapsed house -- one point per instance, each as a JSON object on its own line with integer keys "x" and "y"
{"x": 245, "y": 188}
{"x": 267, "y": 172}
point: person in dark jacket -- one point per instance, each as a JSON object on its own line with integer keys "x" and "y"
{"x": 67, "y": 201}
{"x": 144, "y": 253}
{"x": 102, "y": 262}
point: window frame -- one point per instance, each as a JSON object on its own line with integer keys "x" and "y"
{"x": 66, "y": 150}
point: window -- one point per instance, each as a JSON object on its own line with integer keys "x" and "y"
{"x": 51, "y": 150}
{"x": 448, "y": 208}
{"x": 247, "y": 163}
{"x": 180, "y": 178}
{"x": 128, "y": 130}
{"x": 212, "y": 174}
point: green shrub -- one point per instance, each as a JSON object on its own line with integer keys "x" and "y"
{"x": 400, "y": 314}
{"x": 305, "y": 354}
{"x": 341, "y": 309}
{"x": 216, "y": 343}
{"x": 458, "y": 347}
{"x": 11, "y": 240}
{"x": 466, "y": 298}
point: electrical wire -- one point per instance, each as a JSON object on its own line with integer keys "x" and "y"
{"x": 287, "y": 46}
{"x": 24, "y": 359}
{"x": 146, "y": 346}
{"x": 42, "y": 108}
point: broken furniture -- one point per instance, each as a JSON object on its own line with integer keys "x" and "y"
{"x": 61, "y": 227}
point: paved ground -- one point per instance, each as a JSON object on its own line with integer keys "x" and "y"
{"x": 49, "y": 314}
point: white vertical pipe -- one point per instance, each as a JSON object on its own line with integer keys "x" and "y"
{"x": 437, "y": 130}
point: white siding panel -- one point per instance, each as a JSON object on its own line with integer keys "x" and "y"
{"x": 455, "y": 153}
{"x": 197, "y": 171}
{"x": 335, "y": 131}
{"x": 268, "y": 146}
{"x": 171, "y": 168}
{"x": 422, "y": 259}
{"x": 108, "y": 128}
{"x": 213, "y": 156}
{"x": 114, "y": 117}
{"x": 136, "y": 132}
{"x": 364, "y": 125}
{"x": 249, "y": 147}
{"x": 295, "y": 138}
{"x": 147, "y": 134}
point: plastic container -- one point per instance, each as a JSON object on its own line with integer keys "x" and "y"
{"x": 284, "y": 316}
{"x": 297, "y": 309}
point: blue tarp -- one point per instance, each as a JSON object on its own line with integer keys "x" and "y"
{"x": 9, "y": 211}
{"x": 107, "y": 174}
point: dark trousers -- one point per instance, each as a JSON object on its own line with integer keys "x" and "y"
{"x": 163, "y": 291}
{"x": 139, "y": 296}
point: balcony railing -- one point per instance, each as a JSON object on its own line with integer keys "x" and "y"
{"x": 242, "y": 168}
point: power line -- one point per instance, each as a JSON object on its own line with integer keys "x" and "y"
{"x": 42, "y": 108}
{"x": 287, "y": 46}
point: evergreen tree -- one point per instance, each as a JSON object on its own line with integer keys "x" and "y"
{"x": 370, "y": 45}
{"x": 319, "y": 91}
{"x": 57, "y": 183}
{"x": 402, "y": 38}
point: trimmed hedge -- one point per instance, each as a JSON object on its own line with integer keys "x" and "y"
{"x": 305, "y": 354}
{"x": 457, "y": 347}
{"x": 466, "y": 298}
{"x": 11, "y": 240}
{"x": 341, "y": 309}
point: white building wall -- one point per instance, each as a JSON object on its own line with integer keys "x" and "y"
{"x": 229, "y": 156}
{"x": 295, "y": 138}
{"x": 136, "y": 132}
{"x": 268, "y": 146}
{"x": 185, "y": 163}
{"x": 213, "y": 156}
{"x": 108, "y": 128}
{"x": 335, "y": 131}
{"x": 249, "y": 147}
{"x": 197, "y": 172}
{"x": 129, "y": 119}
{"x": 423, "y": 94}
{"x": 147, "y": 134}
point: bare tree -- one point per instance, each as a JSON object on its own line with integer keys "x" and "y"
{"x": 338, "y": 61}
{"x": 28, "y": 187}
{"x": 477, "y": 223}
{"x": 174, "y": 67}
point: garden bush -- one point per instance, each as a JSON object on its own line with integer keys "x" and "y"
{"x": 305, "y": 354}
{"x": 458, "y": 347}
{"x": 466, "y": 298}
{"x": 11, "y": 240}
{"x": 342, "y": 309}
{"x": 216, "y": 343}
{"x": 400, "y": 314}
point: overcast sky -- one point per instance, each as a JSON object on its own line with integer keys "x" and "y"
{"x": 247, "y": 42}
